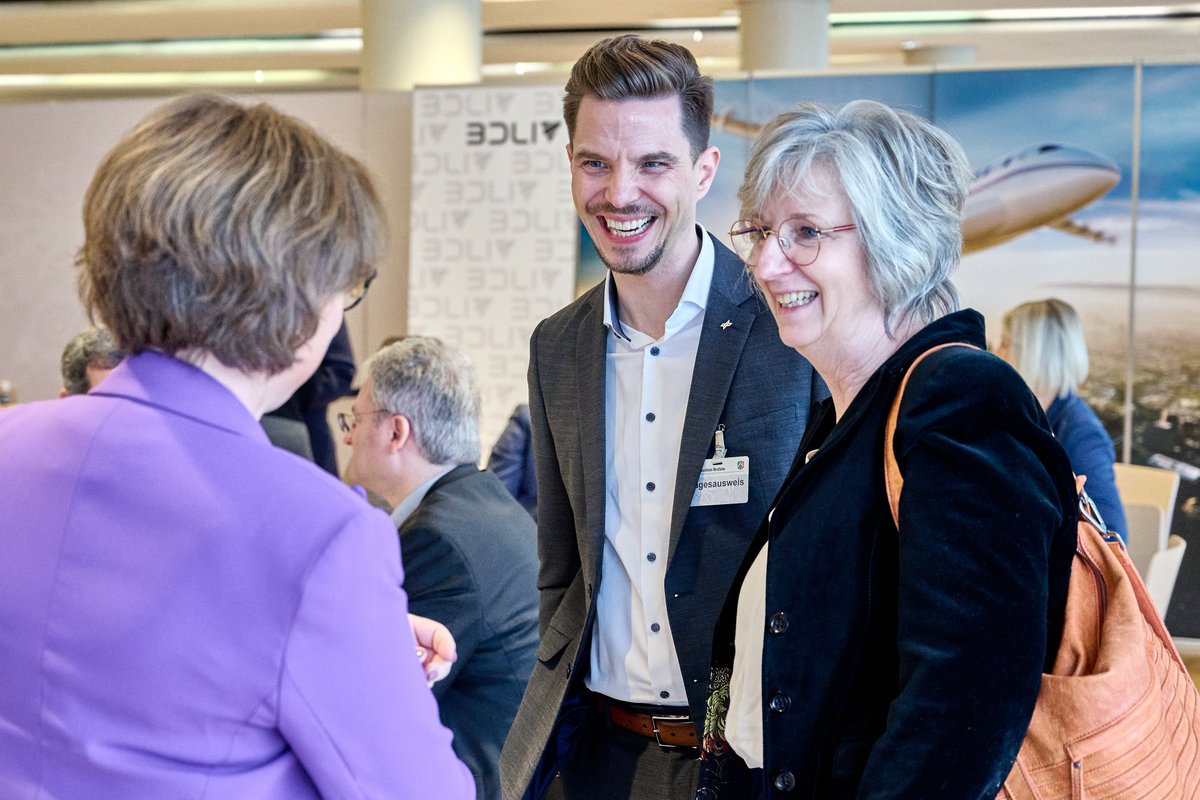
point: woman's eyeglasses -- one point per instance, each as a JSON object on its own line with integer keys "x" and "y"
{"x": 799, "y": 239}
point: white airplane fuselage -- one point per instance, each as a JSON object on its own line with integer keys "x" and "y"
{"x": 1029, "y": 188}
{"x": 1040, "y": 185}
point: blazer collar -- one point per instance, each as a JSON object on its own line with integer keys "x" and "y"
{"x": 732, "y": 308}
{"x": 175, "y": 386}
{"x": 590, "y": 359}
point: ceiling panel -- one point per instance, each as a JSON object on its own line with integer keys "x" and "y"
{"x": 317, "y": 42}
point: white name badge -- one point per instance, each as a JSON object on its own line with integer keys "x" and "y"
{"x": 723, "y": 482}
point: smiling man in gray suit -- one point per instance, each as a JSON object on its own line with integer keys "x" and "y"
{"x": 665, "y": 412}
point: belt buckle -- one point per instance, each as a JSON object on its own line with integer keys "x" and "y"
{"x": 654, "y": 720}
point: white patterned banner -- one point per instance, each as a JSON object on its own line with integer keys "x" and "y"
{"x": 494, "y": 233}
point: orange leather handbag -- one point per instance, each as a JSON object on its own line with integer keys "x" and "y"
{"x": 1119, "y": 717}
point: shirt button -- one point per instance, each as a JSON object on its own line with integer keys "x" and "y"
{"x": 654, "y": 351}
{"x": 651, "y": 557}
{"x": 785, "y": 781}
{"x": 650, "y": 417}
{"x": 779, "y": 622}
{"x": 664, "y": 694}
{"x": 654, "y": 626}
{"x": 650, "y": 486}
{"x": 780, "y": 702}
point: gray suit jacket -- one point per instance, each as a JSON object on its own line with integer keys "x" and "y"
{"x": 470, "y": 563}
{"x": 744, "y": 378}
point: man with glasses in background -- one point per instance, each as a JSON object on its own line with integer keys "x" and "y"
{"x": 467, "y": 546}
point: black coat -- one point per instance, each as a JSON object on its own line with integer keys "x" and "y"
{"x": 907, "y": 665}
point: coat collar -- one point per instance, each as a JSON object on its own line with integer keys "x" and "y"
{"x": 960, "y": 326}
{"x": 155, "y": 379}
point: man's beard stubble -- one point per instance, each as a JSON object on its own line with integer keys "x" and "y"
{"x": 641, "y": 268}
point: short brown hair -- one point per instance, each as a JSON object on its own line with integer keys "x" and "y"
{"x": 224, "y": 228}
{"x": 628, "y": 66}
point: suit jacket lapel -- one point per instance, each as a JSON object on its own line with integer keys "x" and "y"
{"x": 717, "y": 358}
{"x": 590, "y": 356}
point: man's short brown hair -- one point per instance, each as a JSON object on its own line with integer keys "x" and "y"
{"x": 627, "y": 67}
{"x": 224, "y": 228}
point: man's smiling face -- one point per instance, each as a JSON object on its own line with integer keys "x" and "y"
{"x": 635, "y": 184}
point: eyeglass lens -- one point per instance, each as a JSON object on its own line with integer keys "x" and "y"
{"x": 799, "y": 239}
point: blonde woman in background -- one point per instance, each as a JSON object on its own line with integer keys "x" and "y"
{"x": 1043, "y": 340}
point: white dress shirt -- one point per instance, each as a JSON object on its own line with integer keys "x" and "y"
{"x": 647, "y": 384}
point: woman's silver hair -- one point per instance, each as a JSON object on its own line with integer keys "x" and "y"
{"x": 433, "y": 384}
{"x": 906, "y": 182}
{"x": 1046, "y": 346}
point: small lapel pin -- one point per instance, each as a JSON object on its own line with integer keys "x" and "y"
{"x": 726, "y": 324}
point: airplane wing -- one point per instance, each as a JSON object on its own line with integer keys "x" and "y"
{"x": 1080, "y": 229}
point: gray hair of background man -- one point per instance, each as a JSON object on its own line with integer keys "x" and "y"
{"x": 434, "y": 385}
{"x": 94, "y": 347}
{"x": 630, "y": 67}
{"x": 905, "y": 179}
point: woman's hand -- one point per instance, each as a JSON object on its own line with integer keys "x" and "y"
{"x": 435, "y": 647}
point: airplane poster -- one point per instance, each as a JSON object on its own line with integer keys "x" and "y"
{"x": 1166, "y": 342}
{"x": 1051, "y": 214}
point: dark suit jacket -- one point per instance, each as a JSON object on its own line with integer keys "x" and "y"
{"x": 310, "y": 403}
{"x": 906, "y": 665}
{"x": 512, "y": 460}
{"x": 745, "y": 378}
{"x": 470, "y": 563}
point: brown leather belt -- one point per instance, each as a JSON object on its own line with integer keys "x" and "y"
{"x": 667, "y": 729}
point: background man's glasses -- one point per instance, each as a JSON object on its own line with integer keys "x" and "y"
{"x": 348, "y": 422}
{"x": 798, "y": 238}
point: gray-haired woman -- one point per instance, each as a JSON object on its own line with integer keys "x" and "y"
{"x": 852, "y": 659}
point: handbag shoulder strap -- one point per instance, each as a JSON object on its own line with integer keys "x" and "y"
{"x": 891, "y": 470}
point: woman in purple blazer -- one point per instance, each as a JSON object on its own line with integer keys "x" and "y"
{"x": 185, "y": 610}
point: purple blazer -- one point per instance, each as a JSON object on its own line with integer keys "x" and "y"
{"x": 189, "y": 612}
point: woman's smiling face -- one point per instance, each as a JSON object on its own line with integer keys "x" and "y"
{"x": 824, "y": 305}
